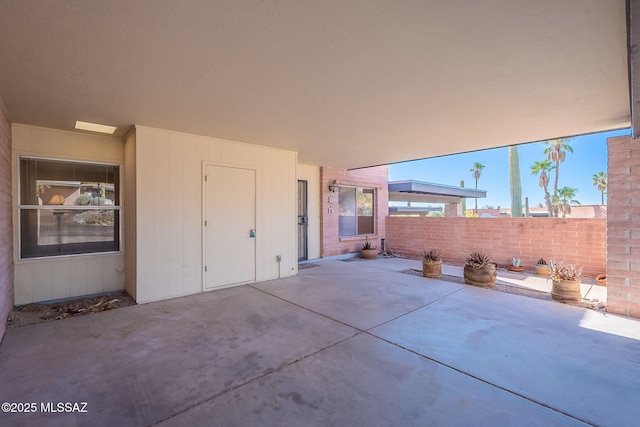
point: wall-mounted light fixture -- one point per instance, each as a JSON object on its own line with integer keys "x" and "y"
{"x": 333, "y": 187}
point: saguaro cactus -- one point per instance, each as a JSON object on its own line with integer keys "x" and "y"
{"x": 514, "y": 182}
{"x": 464, "y": 201}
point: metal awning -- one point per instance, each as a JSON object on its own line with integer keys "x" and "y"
{"x": 428, "y": 192}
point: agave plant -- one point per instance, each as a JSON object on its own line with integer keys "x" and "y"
{"x": 432, "y": 256}
{"x": 367, "y": 244}
{"x": 478, "y": 260}
{"x": 561, "y": 271}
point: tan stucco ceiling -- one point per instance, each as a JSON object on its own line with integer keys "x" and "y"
{"x": 345, "y": 83}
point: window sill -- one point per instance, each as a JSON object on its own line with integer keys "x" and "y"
{"x": 66, "y": 256}
{"x": 362, "y": 237}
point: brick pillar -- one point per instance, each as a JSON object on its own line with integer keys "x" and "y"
{"x": 6, "y": 227}
{"x": 374, "y": 177}
{"x": 452, "y": 210}
{"x": 623, "y": 227}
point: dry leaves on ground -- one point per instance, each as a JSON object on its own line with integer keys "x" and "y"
{"x": 30, "y": 314}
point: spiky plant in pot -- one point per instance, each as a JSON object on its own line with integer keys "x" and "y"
{"x": 480, "y": 270}
{"x": 432, "y": 264}
{"x": 478, "y": 260}
{"x": 368, "y": 251}
{"x": 563, "y": 271}
{"x": 432, "y": 256}
{"x": 566, "y": 281}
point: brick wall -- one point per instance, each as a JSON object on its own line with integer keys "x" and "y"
{"x": 6, "y": 228}
{"x": 332, "y": 243}
{"x": 576, "y": 241}
{"x": 623, "y": 227}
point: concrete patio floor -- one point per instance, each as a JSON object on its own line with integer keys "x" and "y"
{"x": 342, "y": 343}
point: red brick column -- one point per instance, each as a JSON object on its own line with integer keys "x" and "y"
{"x": 452, "y": 210}
{"x": 6, "y": 227}
{"x": 623, "y": 227}
{"x": 374, "y": 177}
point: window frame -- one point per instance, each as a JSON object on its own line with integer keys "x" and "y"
{"x": 117, "y": 206}
{"x": 374, "y": 213}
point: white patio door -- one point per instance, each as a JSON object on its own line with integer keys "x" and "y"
{"x": 230, "y": 222}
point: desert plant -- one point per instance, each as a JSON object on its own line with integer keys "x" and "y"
{"x": 432, "y": 256}
{"x": 542, "y": 268}
{"x": 515, "y": 262}
{"x": 367, "y": 245}
{"x": 515, "y": 185}
{"x": 432, "y": 264}
{"x": 478, "y": 260}
{"x": 480, "y": 270}
{"x": 561, "y": 271}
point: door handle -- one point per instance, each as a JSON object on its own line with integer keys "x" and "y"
{"x": 252, "y": 233}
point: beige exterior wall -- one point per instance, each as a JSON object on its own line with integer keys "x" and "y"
{"x": 6, "y": 228}
{"x": 311, "y": 174}
{"x": 66, "y": 276}
{"x": 129, "y": 213}
{"x": 168, "y": 208}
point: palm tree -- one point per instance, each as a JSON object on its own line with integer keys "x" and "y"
{"x": 563, "y": 198}
{"x": 542, "y": 168}
{"x": 476, "y": 172}
{"x": 600, "y": 181}
{"x": 556, "y": 151}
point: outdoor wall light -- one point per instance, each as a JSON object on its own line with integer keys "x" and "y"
{"x": 333, "y": 187}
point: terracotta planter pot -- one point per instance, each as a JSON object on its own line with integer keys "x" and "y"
{"x": 368, "y": 253}
{"x": 516, "y": 269}
{"x": 566, "y": 291}
{"x": 484, "y": 277}
{"x": 601, "y": 279}
{"x": 542, "y": 270}
{"x": 433, "y": 270}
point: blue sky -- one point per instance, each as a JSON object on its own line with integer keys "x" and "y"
{"x": 589, "y": 157}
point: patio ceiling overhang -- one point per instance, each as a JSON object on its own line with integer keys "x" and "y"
{"x": 427, "y": 192}
{"x": 345, "y": 84}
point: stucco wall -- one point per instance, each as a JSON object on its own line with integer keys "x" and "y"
{"x": 377, "y": 178}
{"x": 576, "y": 241}
{"x": 41, "y": 279}
{"x": 6, "y": 243}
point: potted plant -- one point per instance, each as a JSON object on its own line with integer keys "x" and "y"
{"x": 542, "y": 268}
{"x": 368, "y": 251}
{"x": 566, "y": 281}
{"x": 480, "y": 270}
{"x": 431, "y": 264}
{"x": 515, "y": 265}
